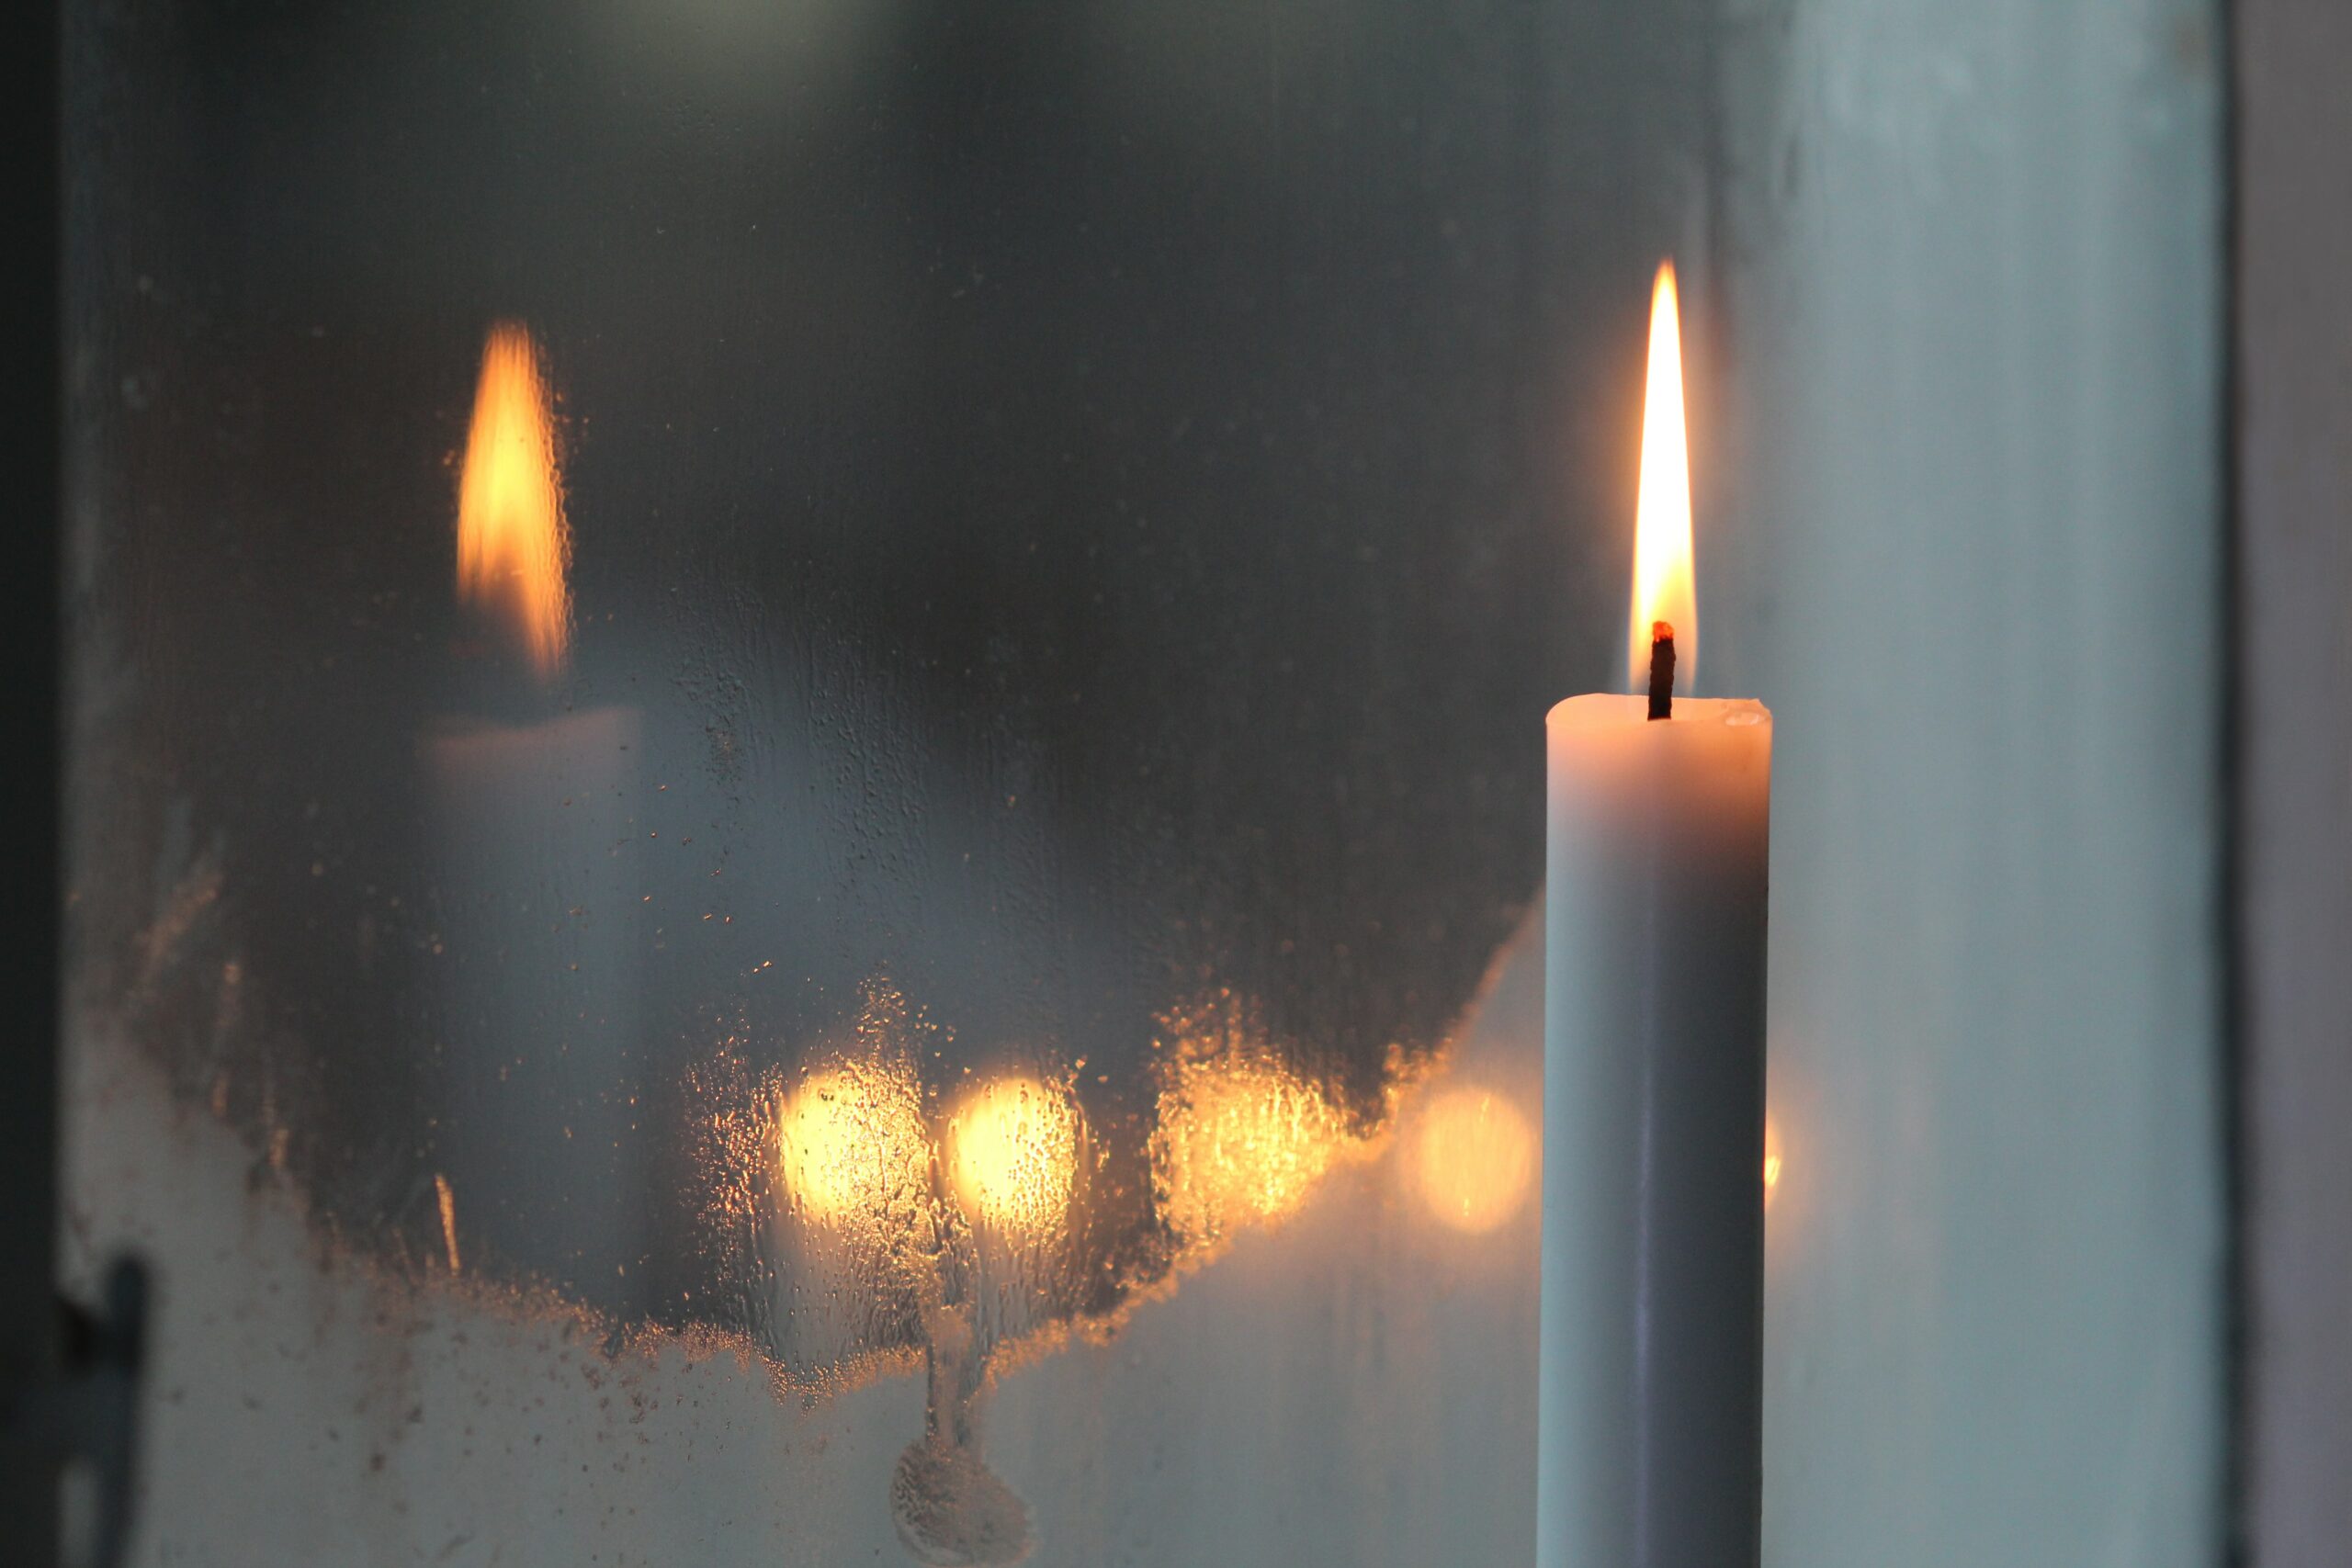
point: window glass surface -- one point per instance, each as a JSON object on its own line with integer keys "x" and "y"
{"x": 801, "y": 738}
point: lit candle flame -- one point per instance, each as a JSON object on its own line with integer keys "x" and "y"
{"x": 1663, "y": 589}
{"x": 514, "y": 549}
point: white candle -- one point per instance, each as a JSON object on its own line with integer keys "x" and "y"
{"x": 1650, "y": 1404}
{"x": 542, "y": 976}
{"x": 541, "y": 925}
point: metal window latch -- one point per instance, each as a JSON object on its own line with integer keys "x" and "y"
{"x": 89, "y": 1410}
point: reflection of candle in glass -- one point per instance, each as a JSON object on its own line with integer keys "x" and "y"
{"x": 1011, "y": 1150}
{"x": 851, "y": 1244}
{"x": 514, "y": 549}
{"x": 1651, "y": 1400}
{"x": 539, "y": 893}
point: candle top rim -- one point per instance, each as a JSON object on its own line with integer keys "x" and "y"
{"x": 1614, "y": 710}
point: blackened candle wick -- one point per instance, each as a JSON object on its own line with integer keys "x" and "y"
{"x": 1661, "y": 669}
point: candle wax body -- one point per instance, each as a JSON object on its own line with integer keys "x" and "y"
{"x": 540, "y": 878}
{"x": 1651, "y": 1396}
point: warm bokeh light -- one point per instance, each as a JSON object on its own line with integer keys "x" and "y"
{"x": 1240, "y": 1139}
{"x": 1012, "y": 1155}
{"x": 1771, "y": 1159}
{"x": 514, "y": 549}
{"x": 1476, "y": 1157}
{"x": 1663, "y": 586}
{"x": 852, "y": 1147}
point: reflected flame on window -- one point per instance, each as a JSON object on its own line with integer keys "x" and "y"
{"x": 1013, "y": 1156}
{"x": 853, "y": 1151}
{"x": 514, "y": 549}
{"x": 1476, "y": 1157}
{"x": 1241, "y": 1139}
{"x": 1771, "y": 1159}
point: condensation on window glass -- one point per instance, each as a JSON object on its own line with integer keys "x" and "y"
{"x": 804, "y": 760}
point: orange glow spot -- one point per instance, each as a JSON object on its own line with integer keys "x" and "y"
{"x": 1013, "y": 1156}
{"x": 1663, "y": 584}
{"x": 852, "y": 1148}
{"x": 448, "y": 1217}
{"x": 1771, "y": 1159}
{"x": 1240, "y": 1139}
{"x": 514, "y": 549}
{"x": 1478, "y": 1155}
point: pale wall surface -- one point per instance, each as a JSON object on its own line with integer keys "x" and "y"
{"x": 1971, "y": 278}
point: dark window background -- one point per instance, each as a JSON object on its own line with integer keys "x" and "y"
{"x": 1077, "y": 512}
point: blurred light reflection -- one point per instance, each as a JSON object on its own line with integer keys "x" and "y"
{"x": 1012, "y": 1155}
{"x": 852, "y": 1148}
{"x": 1241, "y": 1138}
{"x": 1476, "y": 1158}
